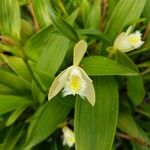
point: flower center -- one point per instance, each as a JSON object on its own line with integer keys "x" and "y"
{"x": 75, "y": 83}
{"x": 133, "y": 40}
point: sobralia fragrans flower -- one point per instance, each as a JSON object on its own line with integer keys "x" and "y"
{"x": 128, "y": 41}
{"x": 74, "y": 80}
{"x": 68, "y": 136}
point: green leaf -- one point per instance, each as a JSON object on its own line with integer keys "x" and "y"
{"x": 119, "y": 18}
{"x": 135, "y": 85}
{"x": 112, "y": 5}
{"x": 99, "y": 65}
{"x": 18, "y": 66}
{"x": 95, "y": 34}
{"x": 7, "y": 90}
{"x": 93, "y": 16}
{"x": 12, "y": 137}
{"x": 10, "y": 102}
{"x": 14, "y": 116}
{"x": 146, "y": 10}
{"x": 27, "y": 30}
{"x": 127, "y": 124}
{"x": 95, "y": 126}
{"x": 13, "y": 81}
{"x": 48, "y": 118}
{"x": 41, "y": 9}
{"x": 63, "y": 26}
{"x": 85, "y": 8}
{"x": 52, "y": 56}
{"x": 10, "y": 19}
{"x": 35, "y": 46}
{"x": 45, "y": 80}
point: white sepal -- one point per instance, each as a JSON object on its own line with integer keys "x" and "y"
{"x": 90, "y": 91}
{"x": 127, "y": 41}
{"x": 79, "y": 51}
{"x": 68, "y": 136}
{"x": 58, "y": 83}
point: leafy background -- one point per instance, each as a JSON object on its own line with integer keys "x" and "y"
{"x": 36, "y": 43}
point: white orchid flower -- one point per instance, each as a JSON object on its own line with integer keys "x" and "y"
{"x": 128, "y": 41}
{"x": 68, "y": 136}
{"x": 74, "y": 80}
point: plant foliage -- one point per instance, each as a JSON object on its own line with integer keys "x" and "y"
{"x": 37, "y": 38}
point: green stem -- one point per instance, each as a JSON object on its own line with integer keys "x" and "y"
{"x": 142, "y": 112}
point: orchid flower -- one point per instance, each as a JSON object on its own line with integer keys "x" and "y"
{"x": 74, "y": 80}
{"x": 68, "y": 136}
{"x": 128, "y": 41}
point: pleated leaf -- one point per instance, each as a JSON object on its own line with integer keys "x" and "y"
{"x": 146, "y": 10}
{"x": 14, "y": 116}
{"x": 14, "y": 81}
{"x": 10, "y": 19}
{"x": 51, "y": 114}
{"x": 18, "y": 66}
{"x": 12, "y": 137}
{"x": 95, "y": 126}
{"x": 119, "y": 17}
{"x": 99, "y": 65}
{"x": 10, "y": 102}
{"x": 63, "y": 26}
{"x": 41, "y": 9}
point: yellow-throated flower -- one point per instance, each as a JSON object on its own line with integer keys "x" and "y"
{"x": 68, "y": 136}
{"x": 74, "y": 80}
{"x": 128, "y": 41}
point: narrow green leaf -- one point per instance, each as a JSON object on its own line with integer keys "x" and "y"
{"x": 41, "y": 9}
{"x": 135, "y": 85}
{"x": 85, "y": 8}
{"x": 45, "y": 80}
{"x": 127, "y": 124}
{"x": 63, "y": 26}
{"x": 18, "y": 66}
{"x": 99, "y": 65}
{"x": 12, "y": 137}
{"x": 13, "y": 81}
{"x": 14, "y": 116}
{"x": 53, "y": 56}
{"x": 112, "y": 4}
{"x": 10, "y": 102}
{"x": 27, "y": 30}
{"x": 119, "y": 17}
{"x": 136, "y": 90}
{"x": 93, "y": 16}
{"x": 94, "y": 33}
{"x": 38, "y": 43}
{"x": 7, "y": 90}
{"x": 95, "y": 126}
{"x": 10, "y": 19}
{"x": 146, "y": 10}
{"x": 52, "y": 114}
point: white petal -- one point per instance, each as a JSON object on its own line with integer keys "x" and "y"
{"x": 121, "y": 43}
{"x": 79, "y": 51}
{"x": 69, "y": 136}
{"x": 128, "y": 30}
{"x": 58, "y": 83}
{"x": 90, "y": 91}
